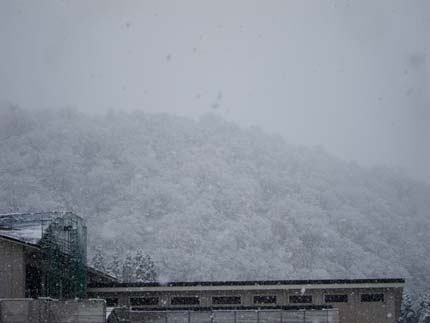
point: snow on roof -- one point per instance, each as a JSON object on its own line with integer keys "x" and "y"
{"x": 341, "y": 283}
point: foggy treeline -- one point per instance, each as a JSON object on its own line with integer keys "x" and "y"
{"x": 208, "y": 200}
{"x": 134, "y": 267}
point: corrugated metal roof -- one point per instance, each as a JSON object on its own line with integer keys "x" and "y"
{"x": 255, "y": 283}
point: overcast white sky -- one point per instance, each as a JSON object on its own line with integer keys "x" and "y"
{"x": 352, "y": 76}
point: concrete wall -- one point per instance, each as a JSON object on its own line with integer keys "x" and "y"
{"x": 45, "y": 311}
{"x": 12, "y": 269}
{"x": 233, "y": 316}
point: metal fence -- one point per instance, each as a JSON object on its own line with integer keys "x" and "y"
{"x": 236, "y": 316}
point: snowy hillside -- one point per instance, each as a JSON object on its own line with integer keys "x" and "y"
{"x": 211, "y": 201}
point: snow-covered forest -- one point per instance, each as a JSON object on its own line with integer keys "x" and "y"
{"x": 208, "y": 200}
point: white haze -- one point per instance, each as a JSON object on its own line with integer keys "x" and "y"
{"x": 208, "y": 200}
{"x": 352, "y": 76}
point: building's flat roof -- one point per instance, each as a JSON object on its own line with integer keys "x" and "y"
{"x": 262, "y": 282}
{"x": 248, "y": 285}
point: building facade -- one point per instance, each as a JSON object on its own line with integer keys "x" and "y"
{"x": 357, "y": 301}
{"x": 14, "y": 256}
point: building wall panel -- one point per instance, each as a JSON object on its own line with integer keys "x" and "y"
{"x": 12, "y": 270}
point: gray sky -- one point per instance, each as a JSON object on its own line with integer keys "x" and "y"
{"x": 352, "y": 76}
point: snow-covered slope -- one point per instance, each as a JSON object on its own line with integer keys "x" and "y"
{"x": 209, "y": 200}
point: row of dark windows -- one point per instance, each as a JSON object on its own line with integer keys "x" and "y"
{"x": 264, "y": 299}
{"x": 194, "y": 300}
{"x": 336, "y": 298}
{"x": 144, "y": 301}
{"x": 226, "y": 300}
{"x": 236, "y": 300}
{"x": 364, "y": 298}
{"x": 302, "y": 299}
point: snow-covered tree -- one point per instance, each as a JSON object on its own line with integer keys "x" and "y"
{"x": 198, "y": 193}
{"x": 151, "y": 270}
{"x": 98, "y": 261}
{"x": 128, "y": 270}
{"x": 139, "y": 266}
{"x": 424, "y": 309}
{"x": 407, "y": 314}
{"x": 114, "y": 267}
{"x": 145, "y": 268}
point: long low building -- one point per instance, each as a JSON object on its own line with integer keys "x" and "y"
{"x": 357, "y": 300}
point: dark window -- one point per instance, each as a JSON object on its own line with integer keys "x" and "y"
{"x": 301, "y": 299}
{"x": 264, "y": 299}
{"x": 185, "y": 300}
{"x": 223, "y": 300}
{"x": 336, "y": 298}
{"x": 111, "y": 302}
{"x": 372, "y": 298}
{"x": 143, "y": 301}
